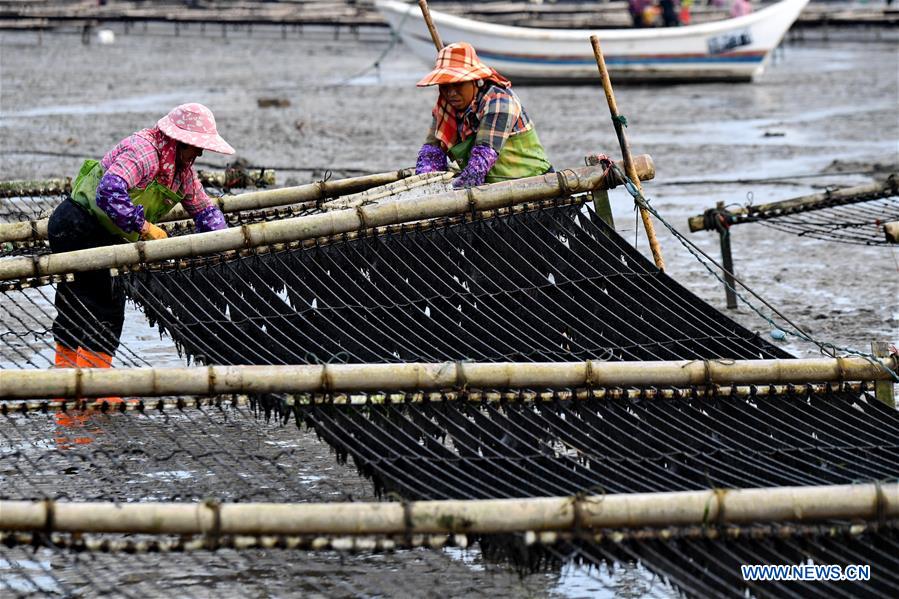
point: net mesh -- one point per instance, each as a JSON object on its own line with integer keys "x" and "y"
{"x": 547, "y": 283}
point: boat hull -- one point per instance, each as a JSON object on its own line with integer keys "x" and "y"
{"x": 730, "y": 50}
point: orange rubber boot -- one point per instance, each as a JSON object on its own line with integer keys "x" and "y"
{"x": 68, "y": 358}
{"x": 65, "y": 357}
{"x": 91, "y": 359}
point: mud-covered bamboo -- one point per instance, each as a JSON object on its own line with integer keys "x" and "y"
{"x": 254, "y": 200}
{"x": 485, "y": 516}
{"x": 379, "y": 193}
{"x": 218, "y": 380}
{"x": 260, "y": 178}
{"x": 451, "y": 203}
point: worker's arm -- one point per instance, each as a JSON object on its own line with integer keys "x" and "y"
{"x": 497, "y": 113}
{"x": 206, "y": 214}
{"x": 431, "y": 157}
{"x": 113, "y": 199}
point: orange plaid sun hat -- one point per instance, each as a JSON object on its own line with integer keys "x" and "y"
{"x": 456, "y": 63}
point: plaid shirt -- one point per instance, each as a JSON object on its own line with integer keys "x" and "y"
{"x": 136, "y": 160}
{"x": 494, "y": 115}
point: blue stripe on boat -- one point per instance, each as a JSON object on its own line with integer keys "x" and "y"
{"x": 620, "y": 60}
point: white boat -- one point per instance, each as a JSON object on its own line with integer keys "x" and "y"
{"x": 730, "y": 50}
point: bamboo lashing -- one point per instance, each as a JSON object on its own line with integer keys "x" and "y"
{"x": 626, "y": 151}
{"x": 255, "y": 200}
{"x": 332, "y": 378}
{"x": 484, "y": 516}
{"x": 432, "y": 29}
{"x": 450, "y": 203}
{"x": 478, "y": 396}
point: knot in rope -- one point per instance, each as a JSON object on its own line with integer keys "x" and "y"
{"x": 716, "y": 219}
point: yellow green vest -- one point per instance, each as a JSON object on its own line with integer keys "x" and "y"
{"x": 157, "y": 199}
{"x": 521, "y": 156}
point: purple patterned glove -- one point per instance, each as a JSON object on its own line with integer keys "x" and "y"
{"x": 431, "y": 159}
{"x": 209, "y": 219}
{"x": 479, "y": 164}
{"x": 113, "y": 199}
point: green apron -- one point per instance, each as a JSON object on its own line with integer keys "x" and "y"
{"x": 521, "y": 156}
{"x": 157, "y": 199}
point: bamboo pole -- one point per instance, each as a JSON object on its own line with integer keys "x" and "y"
{"x": 404, "y": 397}
{"x": 37, "y": 229}
{"x": 485, "y": 516}
{"x": 12, "y": 189}
{"x": 58, "y": 186}
{"x": 432, "y": 29}
{"x": 891, "y": 231}
{"x": 626, "y": 151}
{"x": 378, "y": 193}
{"x": 260, "y": 177}
{"x": 332, "y": 378}
{"x": 450, "y": 203}
{"x": 866, "y": 192}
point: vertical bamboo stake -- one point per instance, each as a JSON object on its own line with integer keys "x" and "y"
{"x": 426, "y": 13}
{"x": 601, "y": 204}
{"x": 625, "y": 150}
{"x": 883, "y": 390}
{"x": 727, "y": 260}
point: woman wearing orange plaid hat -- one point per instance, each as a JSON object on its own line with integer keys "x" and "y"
{"x": 479, "y": 122}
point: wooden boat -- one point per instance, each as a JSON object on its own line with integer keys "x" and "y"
{"x": 730, "y": 50}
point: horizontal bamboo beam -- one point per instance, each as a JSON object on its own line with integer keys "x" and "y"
{"x": 14, "y": 406}
{"x": 257, "y": 200}
{"x": 869, "y": 191}
{"x": 374, "y": 194}
{"x": 39, "y": 187}
{"x": 332, "y": 378}
{"x": 489, "y": 516}
{"x": 451, "y": 203}
{"x": 34, "y": 230}
{"x": 260, "y": 177}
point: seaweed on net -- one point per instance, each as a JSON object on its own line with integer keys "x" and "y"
{"x": 550, "y": 285}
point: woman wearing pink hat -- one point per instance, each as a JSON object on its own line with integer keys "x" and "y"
{"x": 119, "y": 198}
{"x": 479, "y": 122}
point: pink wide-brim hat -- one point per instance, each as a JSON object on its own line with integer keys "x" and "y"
{"x": 194, "y": 124}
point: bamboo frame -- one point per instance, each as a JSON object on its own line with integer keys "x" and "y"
{"x": 332, "y": 378}
{"x": 379, "y": 193}
{"x": 626, "y": 151}
{"x": 488, "y": 516}
{"x": 256, "y": 200}
{"x": 467, "y": 395}
{"x": 784, "y": 207}
{"x": 451, "y": 203}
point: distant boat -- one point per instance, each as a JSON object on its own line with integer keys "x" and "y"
{"x": 728, "y": 50}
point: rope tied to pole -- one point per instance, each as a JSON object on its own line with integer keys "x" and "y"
{"x": 826, "y": 348}
{"x": 619, "y": 119}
